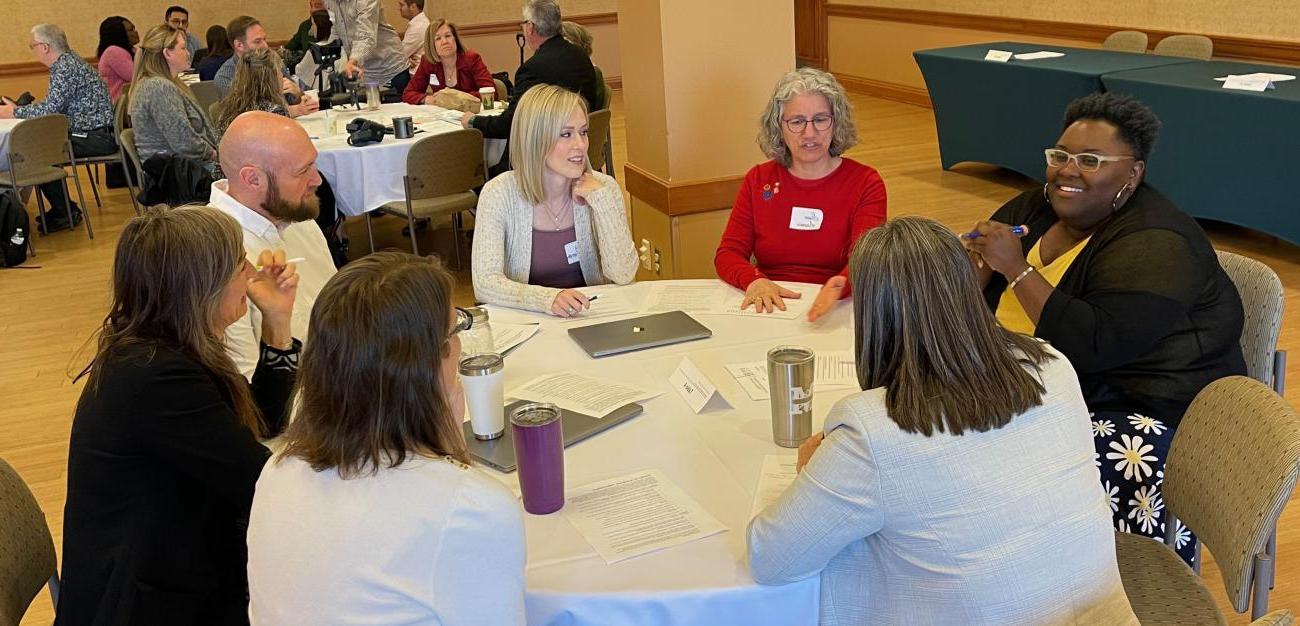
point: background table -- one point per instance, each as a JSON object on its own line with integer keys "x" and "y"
{"x": 714, "y": 457}
{"x": 365, "y": 178}
{"x": 1223, "y": 154}
{"x": 1006, "y": 113}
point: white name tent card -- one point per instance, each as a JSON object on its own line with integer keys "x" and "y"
{"x": 1248, "y": 83}
{"x": 1001, "y": 56}
{"x": 694, "y": 386}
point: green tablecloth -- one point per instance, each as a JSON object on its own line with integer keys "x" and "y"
{"x": 1007, "y": 113}
{"x": 1223, "y": 154}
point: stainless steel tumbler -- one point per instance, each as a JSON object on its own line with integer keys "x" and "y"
{"x": 403, "y": 127}
{"x": 790, "y": 372}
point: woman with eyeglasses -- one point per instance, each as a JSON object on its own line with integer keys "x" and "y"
{"x": 372, "y": 513}
{"x": 1124, "y": 285}
{"x": 799, "y": 214}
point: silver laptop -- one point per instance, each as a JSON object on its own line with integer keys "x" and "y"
{"x": 638, "y": 333}
{"x": 500, "y": 452}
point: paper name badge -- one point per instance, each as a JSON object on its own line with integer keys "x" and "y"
{"x": 571, "y": 252}
{"x": 1248, "y": 83}
{"x": 695, "y": 388}
{"x": 1001, "y": 56}
{"x": 805, "y": 219}
{"x": 433, "y": 81}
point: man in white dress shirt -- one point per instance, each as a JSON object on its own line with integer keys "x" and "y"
{"x": 270, "y": 189}
{"x": 416, "y": 24}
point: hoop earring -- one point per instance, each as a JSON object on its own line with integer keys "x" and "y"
{"x": 1114, "y": 204}
{"x": 1045, "y": 195}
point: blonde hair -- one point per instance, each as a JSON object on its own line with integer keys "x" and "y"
{"x": 577, "y": 35}
{"x": 257, "y": 83}
{"x": 806, "y": 80}
{"x": 430, "y": 51}
{"x": 534, "y": 132}
{"x": 150, "y": 62}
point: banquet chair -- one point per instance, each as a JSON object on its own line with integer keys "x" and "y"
{"x": 92, "y": 162}
{"x": 441, "y": 173}
{"x": 598, "y": 150}
{"x": 1126, "y": 41}
{"x": 502, "y": 94}
{"x": 38, "y": 149}
{"x": 126, "y": 140}
{"x": 212, "y": 111}
{"x": 1190, "y": 46}
{"x": 205, "y": 93}
{"x": 1230, "y": 470}
{"x": 27, "y": 560}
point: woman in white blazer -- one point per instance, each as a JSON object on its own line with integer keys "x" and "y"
{"x": 372, "y": 513}
{"x": 959, "y": 487}
{"x": 552, "y": 225}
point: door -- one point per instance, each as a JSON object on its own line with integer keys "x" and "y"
{"x": 810, "y": 33}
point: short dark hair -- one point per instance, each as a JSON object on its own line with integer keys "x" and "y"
{"x": 175, "y": 8}
{"x": 237, "y": 29}
{"x": 418, "y": 3}
{"x": 1136, "y": 123}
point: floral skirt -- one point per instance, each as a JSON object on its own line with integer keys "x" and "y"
{"x": 1131, "y": 450}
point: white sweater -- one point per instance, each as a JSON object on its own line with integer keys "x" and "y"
{"x": 431, "y": 542}
{"x": 503, "y": 243}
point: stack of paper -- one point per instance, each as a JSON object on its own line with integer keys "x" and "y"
{"x": 608, "y": 304}
{"x": 775, "y": 477}
{"x": 833, "y": 370}
{"x": 581, "y": 394}
{"x": 506, "y": 337}
{"x": 636, "y": 514}
{"x": 1041, "y": 54}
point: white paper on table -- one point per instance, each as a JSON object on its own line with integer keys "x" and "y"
{"x": 506, "y": 337}
{"x": 608, "y": 303}
{"x": 689, "y": 298}
{"x": 752, "y": 378}
{"x": 693, "y": 385}
{"x": 833, "y": 370}
{"x": 1041, "y": 54}
{"x": 582, "y": 394}
{"x": 1273, "y": 78}
{"x": 1247, "y": 83}
{"x": 636, "y": 514}
{"x": 794, "y": 307}
{"x": 775, "y": 477}
{"x": 1001, "y": 56}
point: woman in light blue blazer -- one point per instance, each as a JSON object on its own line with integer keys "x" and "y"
{"x": 960, "y": 486}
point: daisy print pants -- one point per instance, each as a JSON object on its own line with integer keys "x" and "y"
{"x": 1131, "y": 451}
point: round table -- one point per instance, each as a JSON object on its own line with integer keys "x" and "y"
{"x": 365, "y": 178}
{"x": 715, "y": 457}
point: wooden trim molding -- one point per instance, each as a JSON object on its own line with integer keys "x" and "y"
{"x": 1247, "y": 48}
{"x": 512, "y": 26}
{"x": 886, "y": 90}
{"x": 681, "y": 197}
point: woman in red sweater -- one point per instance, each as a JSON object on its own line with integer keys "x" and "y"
{"x": 799, "y": 214}
{"x": 446, "y": 63}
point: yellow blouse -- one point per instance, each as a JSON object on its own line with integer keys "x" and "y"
{"x": 1010, "y": 313}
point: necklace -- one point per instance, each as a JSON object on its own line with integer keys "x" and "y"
{"x": 555, "y": 215}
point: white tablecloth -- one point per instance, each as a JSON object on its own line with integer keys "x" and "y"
{"x": 6, "y": 126}
{"x": 365, "y": 178}
{"x": 714, "y": 457}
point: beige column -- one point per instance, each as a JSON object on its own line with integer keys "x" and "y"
{"x": 696, "y": 76}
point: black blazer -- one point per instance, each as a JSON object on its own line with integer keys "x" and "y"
{"x": 160, "y": 482}
{"x": 556, "y": 62}
{"x": 1145, "y": 313}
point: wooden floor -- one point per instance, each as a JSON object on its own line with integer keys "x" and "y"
{"x": 47, "y": 313}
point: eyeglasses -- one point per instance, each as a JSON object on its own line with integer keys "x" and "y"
{"x": 1086, "y": 161}
{"x": 32, "y": 46}
{"x": 463, "y": 321}
{"x": 819, "y": 123}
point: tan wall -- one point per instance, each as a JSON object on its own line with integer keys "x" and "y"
{"x": 502, "y": 10}
{"x": 501, "y": 54}
{"x": 1265, "y": 19}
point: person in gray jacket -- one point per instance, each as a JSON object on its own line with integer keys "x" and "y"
{"x": 166, "y": 118}
{"x": 370, "y": 44}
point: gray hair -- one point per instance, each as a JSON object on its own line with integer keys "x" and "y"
{"x": 806, "y": 80}
{"x": 544, "y": 15}
{"x": 51, "y": 35}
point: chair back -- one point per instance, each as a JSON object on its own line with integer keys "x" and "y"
{"x": 597, "y": 131}
{"x": 445, "y": 164}
{"x": 213, "y": 109}
{"x": 1261, "y": 299}
{"x": 127, "y": 141}
{"x": 205, "y": 93}
{"x": 502, "y": 94}
{"x": 1190, "y": 46}
{"x": 122, "y": 110}
{"x": 36, "y": 145}
{"x": 1126, "y": 41}
{"x": 27, "y": 558}
{"x": 1230, "y": 470}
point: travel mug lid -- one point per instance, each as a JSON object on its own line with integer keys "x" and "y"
{"x": 535, "y": 414}
{"x": 482, "y": 364}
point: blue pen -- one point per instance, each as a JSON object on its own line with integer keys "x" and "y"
{"x": 1019, "y": 231}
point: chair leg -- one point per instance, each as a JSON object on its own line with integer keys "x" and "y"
{"x": 85, "y": 214}
{"x": 54, "y": 589}
{"x": 410, "y": 223}
{"x": 40, "y": 213}
{"x": 1271, "y": 551}
{"x": 1279, "y": 372}
{"x": 1263, "y": 581}
{"x": 1196, "y": 560}
{"x": 94, "y": 183}
{"x": 1171, "y": 529}
{"x": 455, "y": 236}
{"x": 130, "y": 184}
{"x": 370, "y": 233}
{"x": 609, "y": 152}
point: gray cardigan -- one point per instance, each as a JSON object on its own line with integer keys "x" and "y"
{"x": 503, "y": 243}
{"x": 167, "y": 121}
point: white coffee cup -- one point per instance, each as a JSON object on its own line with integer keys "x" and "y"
{"x": 483, "y": 378}
{"x": 486, "y": 95}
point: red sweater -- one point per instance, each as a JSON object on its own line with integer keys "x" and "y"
{"x": 851, "y": 199}
{"x": 471, "y": 73}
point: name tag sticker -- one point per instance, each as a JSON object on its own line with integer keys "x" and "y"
{"x": 571, "y": 252}
{"x": 433, "y": 81}
{"x": 805, "y": 219}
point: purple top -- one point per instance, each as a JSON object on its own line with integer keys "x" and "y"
{"x": 550, "y": 266}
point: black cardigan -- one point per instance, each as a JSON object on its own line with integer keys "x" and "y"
{"x": 556, "y": 62}
{"x": 160, "y": 483}
{"x": 1145, "y": 313}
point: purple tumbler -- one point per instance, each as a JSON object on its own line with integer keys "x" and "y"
{"x": 539, "y": 451}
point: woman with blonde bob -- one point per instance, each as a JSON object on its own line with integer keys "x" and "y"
{"x": 799, "y": 214}
{"x": 374, "y": 482}
{"x": 166, "y": 117}
{"x": 552, "y": 225}
{"x": 962, "y": 473}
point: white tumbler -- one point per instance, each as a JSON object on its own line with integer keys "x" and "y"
{"x": 483, "y": 377}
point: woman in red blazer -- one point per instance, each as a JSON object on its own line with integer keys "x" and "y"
{"x": 446, "y": 63}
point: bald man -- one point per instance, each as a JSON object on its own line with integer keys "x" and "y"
{"x": 270, "y": 189}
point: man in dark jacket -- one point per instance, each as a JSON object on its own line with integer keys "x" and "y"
{"x": 554, "y": 62}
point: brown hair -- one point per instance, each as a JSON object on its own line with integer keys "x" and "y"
{"x": 370, "y": 382}
{"x": 577, "y": 35}
{"x": 256, "y": 84}
{"x": 925, "y": 334}
{"x": 237, "y": 29}
{"x": 170, "y": 271}
{"x": 149, "y": 59}
{"x": 429, "y": 49}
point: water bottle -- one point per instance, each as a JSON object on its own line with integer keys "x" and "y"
{"x": 372, "y": 96}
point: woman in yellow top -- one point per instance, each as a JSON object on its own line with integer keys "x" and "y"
{"x": 1124, "y": 285}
